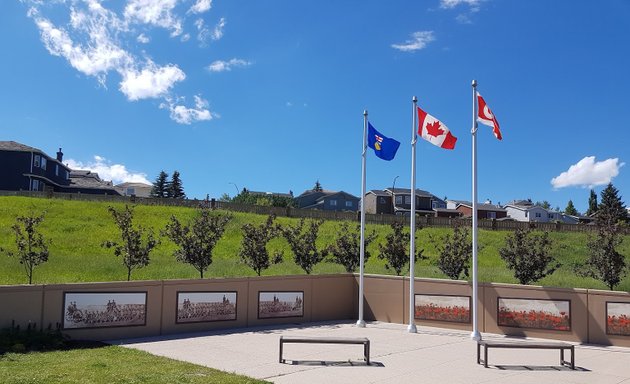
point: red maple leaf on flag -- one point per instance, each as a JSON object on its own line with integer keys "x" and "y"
{"x": 433, "y": 129}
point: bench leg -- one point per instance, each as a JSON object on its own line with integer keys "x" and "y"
{"x": 478, "y": 353}
{"x": 485, "y": 356}
{"x": 573, "y": 357}
{"x": 280, "y": 360}
{"x": 366, "y": 352}
{"x": 562, "y": 362}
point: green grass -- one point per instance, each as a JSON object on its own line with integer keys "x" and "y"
{"x": 107, "y": 365}
{"x": 78, "y": 228}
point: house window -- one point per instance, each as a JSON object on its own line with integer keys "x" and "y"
{"x": 333, "y": 202}
{"x": 538, "y": 214}
{"x": 492, "y": 215}
{"x": 407, "y": 199}
{"x": 348, "y": 204}
{"x": 525, "y": 213}
{"x": 35, "y": 186}
{"x": 36, "y": 160}
{"x": 131, "y": 191}
{"x": 399, "y": 199}
{"x": 43, "y": 163}
{"x": 56, "y": 169}
{"x": 381, "y": 200}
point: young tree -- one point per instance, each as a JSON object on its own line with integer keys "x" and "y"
{"x": 302, "y": 240}
{"x": 253, "y": 250}
{"x": 32, "y": 248}
{"x": 592, "y": 203}
{"x": 196, "y": 241}
{"x": 605, "y": 263}
{"x": 175, "y": 188}
{"x": 160, "y": 185}
{"x": 317, "y": 187}
{"x": 395, "y": 250}
{"x": 528, "y": 255}
{"x": 611, "y": 209}
{"x": 346, "y": 248}
{"x": 133, "y": 248}
{"x": 570, "y": 209}
{"x": 455, "y": 253}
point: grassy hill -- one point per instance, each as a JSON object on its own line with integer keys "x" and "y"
{"x": 78, "y": 228}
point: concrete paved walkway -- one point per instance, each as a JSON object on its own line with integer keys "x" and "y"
{"x": 433, "y": 355}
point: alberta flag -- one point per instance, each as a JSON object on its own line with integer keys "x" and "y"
{"x": 384, "y": 147}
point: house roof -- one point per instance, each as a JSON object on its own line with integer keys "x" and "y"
{"x": 483, "y": 207}
{"x": 134, "y": 185}
{"x": 400, "y": 191}
{"x": 88, "y": 180}
{"x": 18, "y": 147}
{"x": 446, "y": 210}
{"x": 378, "y": 192}
{"x": 278, "y": 194}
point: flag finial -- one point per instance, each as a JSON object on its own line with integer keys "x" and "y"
{"x": 365, "y": 112}
{"x": 474, "y": 83}
{"x": 414, "y": 99}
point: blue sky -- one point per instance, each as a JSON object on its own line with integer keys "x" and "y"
{"x": 269, "y": 95}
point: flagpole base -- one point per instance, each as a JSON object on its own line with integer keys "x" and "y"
{"x": 361, "y": 323}
{"x": 412, "y": 328}
{"x": 475, "y": 335}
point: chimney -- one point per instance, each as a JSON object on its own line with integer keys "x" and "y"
{"x": 60, "y": 156}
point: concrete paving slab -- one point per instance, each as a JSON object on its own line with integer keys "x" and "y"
{"x": 433, "y": 355}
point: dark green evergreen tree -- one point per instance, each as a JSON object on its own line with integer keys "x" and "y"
{"x": 592, "y": 203}
{"x": 570, "y": 209}
{"x": 160, "y": 185}
{"x": 317, "y": 187}
{"x": 175, "y": 188}
{"x": 611, "y": 209}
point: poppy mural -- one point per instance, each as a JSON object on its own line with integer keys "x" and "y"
{"x": 617, "y": 318}
{"x": 553, "y": 315}
{"x": 442, "y": 308}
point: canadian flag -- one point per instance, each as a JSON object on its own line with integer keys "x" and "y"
{"x": 434, "y": 131}
{"x": 486, "y": 117}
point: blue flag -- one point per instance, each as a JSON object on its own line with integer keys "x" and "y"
{"x": 384, "y": 147}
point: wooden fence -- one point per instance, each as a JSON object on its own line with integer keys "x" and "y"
{"x": 424, "y": 221}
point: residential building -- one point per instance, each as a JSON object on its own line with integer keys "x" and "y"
{"x": 398, "y": 201}
{"x": 134, "y": 189}
{"x": 328, "y": 201}
{"x": 30, "y": 169}
{"x": 485, "y": 210}
{"x": 525, "y": 210}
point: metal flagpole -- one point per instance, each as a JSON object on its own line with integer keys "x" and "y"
{"x": 412, "y": 224}
{"x": 361, "y": 322}
{"x": 475, "y": 335}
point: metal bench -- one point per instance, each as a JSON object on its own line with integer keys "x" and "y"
{"x": 327, "y": 340}
{"x": 486, "y": 344}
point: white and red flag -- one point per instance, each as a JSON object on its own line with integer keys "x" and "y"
{"x": 486, "y": 117}
{"x": 434, "y": 131}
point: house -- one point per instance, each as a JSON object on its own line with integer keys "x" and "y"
{"x": 525, "y": 210}
{"x": 134, "y": 189}
{"x": 398, "y": 201}
{"x": 327, "y": 201}
{"x": 485, "y": 210}
{"x": 30, "y": 169}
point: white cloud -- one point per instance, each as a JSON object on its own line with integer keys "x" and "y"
{"x": 201, "y": 6}
{"x": 204, "y": 33}
{"x": 142, "y": 38}
{"x": 184, "y": 115}
{"x": 117, "y": 173}
{"x": 588, "y": 173}
{"x": 218, "y": 29}
{"x": 419, "y": 40}
{"x": 151, "y": 81}
{"x": 154, "y": 12}
{"x": 98, "y": 42}
{"x": 222, "y": 66}
{"x": 450, "y": 4}
{"x": 98, "y": 55}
